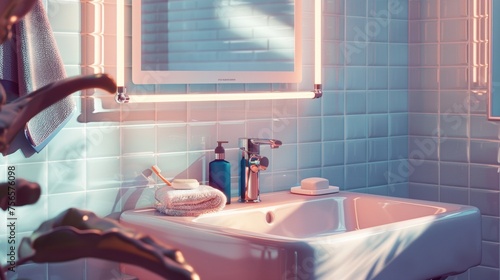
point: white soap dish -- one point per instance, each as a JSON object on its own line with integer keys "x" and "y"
{"x": 300, "y": 190}
{"x": 314, "y": 186}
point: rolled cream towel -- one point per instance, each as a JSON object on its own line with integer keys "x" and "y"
{"x": 201, "y": 200}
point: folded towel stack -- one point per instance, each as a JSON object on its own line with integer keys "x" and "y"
{"x": 204, "y": 199}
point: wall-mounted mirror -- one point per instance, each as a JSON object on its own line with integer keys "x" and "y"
{"x": 494, "y": 90}
{"x": 216, "y": 41}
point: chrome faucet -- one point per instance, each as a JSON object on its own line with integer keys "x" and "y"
{"x": 251, "y": 163}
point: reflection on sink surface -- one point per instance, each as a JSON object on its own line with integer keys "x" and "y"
{"x": 337, "y": 236}
{"x": 313, "y": 218}
{"x": 294, "y": 220}
{"x": 374, "y": 211}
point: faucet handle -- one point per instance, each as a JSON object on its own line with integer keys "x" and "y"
{"x": 264, "y": 163}
{"x": 258, "y": 163}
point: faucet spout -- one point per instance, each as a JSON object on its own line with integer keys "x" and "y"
{"x": 252, "y": 145}
{"x": 14, "y": 115}
{"x": 273, "y": 143}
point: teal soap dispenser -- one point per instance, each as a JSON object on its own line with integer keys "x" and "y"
{"x": 219, "y": 172}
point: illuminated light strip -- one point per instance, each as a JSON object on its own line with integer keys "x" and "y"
{"x": 219, "y": 96}
{"x": 97, "y": 37}
{"x": 120, "y": 43}
{"x": 317, "y": 41}
{"x": 122, "y": 97}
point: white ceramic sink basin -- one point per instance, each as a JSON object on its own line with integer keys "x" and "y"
{"x": 337, "y": 236}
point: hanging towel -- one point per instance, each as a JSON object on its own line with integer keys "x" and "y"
{"x": 195, "y": 202}
{"x": 29, "y": 61}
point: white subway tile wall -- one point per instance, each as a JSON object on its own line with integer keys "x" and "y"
{"x": 453, "y": 148}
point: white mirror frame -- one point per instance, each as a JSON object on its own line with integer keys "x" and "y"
{"x": 123, "y": 97}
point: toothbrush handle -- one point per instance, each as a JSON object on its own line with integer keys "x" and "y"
{"x": 157, "y": 172}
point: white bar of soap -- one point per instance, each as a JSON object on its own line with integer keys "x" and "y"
{"x": 314, "y": 183}
{"x": 185, "y": 184}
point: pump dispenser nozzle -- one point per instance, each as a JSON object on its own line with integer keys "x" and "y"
{"x": 220, "y": 153}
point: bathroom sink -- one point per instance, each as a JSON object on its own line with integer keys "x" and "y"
{"x": 338, "y": 236}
